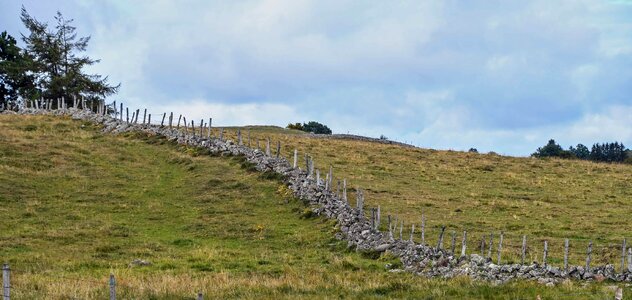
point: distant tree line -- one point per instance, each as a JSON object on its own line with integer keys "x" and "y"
{"x": 311, "y": 126}
{"x": 606, "y": 152}
{"x": 49, "y": 66}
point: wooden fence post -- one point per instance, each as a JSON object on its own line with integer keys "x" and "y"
{"x": 524, "y": 249}
{"x": 401, "y": 230}
{"x": 566, "y": 255}
{"x": 500, "y": 246}
{"x": 440, "y": 243}
{"x": 344, "y": 190}
{"x": 221, "y": 134}
{"x": 491, "y": 245}
{"x": 144, "y": 115}
{"x": 318, "y": 180}
{"x": 6, "y": 282}
{"x": 630, "y": 259}
{"x": 278, "y": 152}
{"x": 121, "y": 111}
{"x": 546, "y": 252}
{"x": 201, "y": 128}
{"x": 239, "y": 142}
{"x": 463, "y": 243}
{"x": 268, "y": 147}
{"x": 412, "y": 232}
{"x": 149, "y": 119}
{"x": 112, "y": 287}
{"x": 127, "y": 115}
{"x": 378, "y": 218}
{"x": 210, "y": 122}
{"x": 179, "y": 119}
{"x": 162, "y": 123}
{"x": 390, "y": 229}
{"x": 423, "y": 228}
{"x": 588, "y": 254}
{"x": 200, "y": 296}
{"x": 133, "y": 116}
{"x": 170, "y": 120}
{"x": 295, "y": 159}
{"x": 623, "y": 256}
{"x": 192, "y": 125}
{"x": 137, "y": 113}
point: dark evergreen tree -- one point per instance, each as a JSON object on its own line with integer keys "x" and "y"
{"x": 15, "y": 82}
{"x": 58, "y": 63}
{"x": 315, "y": 127}
{"x": 581, "y": 152}
{"x": 551, "y": 149}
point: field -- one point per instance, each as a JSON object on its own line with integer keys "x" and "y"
{"x": 550, "y": 199}
{"x": 77, "y": 205}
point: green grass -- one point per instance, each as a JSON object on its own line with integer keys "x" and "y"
{"x": 77, "y": 205}
{"x": 545, "y": 199}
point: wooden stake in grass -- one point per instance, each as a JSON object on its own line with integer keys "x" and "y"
{"x": 170, "y": 120}
{"x": 423, "y": 228}
{"x": 464, "y": 243}
{"x": 440, "y": 243}
{"x": 6, "y": 282}
{"x": 137, "y": 113}
{"x": 524, "y": 248}
{"x": 210, "y": 122}
{"x": 239, "y": 137}
{"x": 248, "y": 136}
{"x": 179, "y": 119}
{"x": 588, "y": 254}
{"x": 121, "y": 112}
{"x": 133, "y": 116}
{"x": 412, "y": 232}
{"x": 268, "y": 147}
{"x": 112, "y": 287}
{"x": 192, "y": 125}
{"x": 565, "y": 255}
{"x": 491, "y": 245}
{"x": 149, "y": 120}
{"x": 344, "y": 190}
{"x": 390, "y": 229}
{"x": 278, "y": 152}
{"x": 500, "y": 246}
{"x": 546, "y": 252}
{"x": 127, "y": 115}
{"x": 317, "y": 177}
{"x": 623, "y": 256}
{"x": 378, "y": 218}
{"x": 162, "y": 123}
{"x": 295, "y": 159}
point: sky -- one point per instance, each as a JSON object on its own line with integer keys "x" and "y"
{"x": 502, "y": 76}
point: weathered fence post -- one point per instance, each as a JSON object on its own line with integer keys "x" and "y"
{"x": 565, "y": 255}
{"x": 179, "y": 119}
{"x": 401, "y": 230}
{"x": 623, "y": 256}
{"x": 170, "y": 120}
{"x": 588, "y": 254}
{"x": 239, "y": 142}
{"x": 412, "y": 232}
{"x": 127, "y": 115}
{"x": 310, "y": 171}
{"x": 344, "y": 190}
{"x": 500, "y": 246}
{"x": 278, "y": 152}
{"x": 162, "y": 123}
{"x": 200, "y": 296}
{"x": 6, "y": 282}
{"x": 133, "y": 116}
{"x": 121, "y": 111}
{"x": 201, "y": 128}
{"x": 440, "y": 243}
{"x": 524, "y": 249}
{"x": 268, "y": 147}
{"x": 221, "y": 135}
{"x": 318, "y": 180}
{"x": 378, "y": 218}
{"x": 630, "y": 259}
{"x": 390, "y": 229}
{"x": 463, "y": 243}
{"x": 423, "y": 228}
{"x": 149, "y": 119}
{"x": 491, "y": 245}
{"x": 112, "y": 287}
{"x": 453, "y": 244}
{"x": 546, "y": 252}
{"x": 295, "y": 159}
{"x": 137, "y": 113}
{"x": 192, "y": 125}
{"x": 144, "y": 115}
{"x": 210, "y": 122}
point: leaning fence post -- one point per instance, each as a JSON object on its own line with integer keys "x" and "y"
{"x": 623, "y": 256}
{"x": 546, "y": 252}
{"x": 440, "y": 243}
{"x": 463, "y": 243}
{"x": 137, "y": 113}
{"x": 179, "y": 119}
{"x": 566, "y": 255}
{"x": 112, "y": 287}
{"x": 524, "y": 248}
{"x": 144, "y": 116}
{"x": 6, "y": 282}
{"x": 500, "y": 246}
{"x": 588, "y": 253}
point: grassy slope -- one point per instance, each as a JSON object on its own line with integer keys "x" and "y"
{"x": 544, "y": 199}
{"x": 76, "y": 205}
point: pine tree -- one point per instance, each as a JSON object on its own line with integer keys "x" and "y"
{"x": 15, "y": 82}
{"x": 57, "y": 62}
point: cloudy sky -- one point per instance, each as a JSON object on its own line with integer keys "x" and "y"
{"x": 500, "y": 76}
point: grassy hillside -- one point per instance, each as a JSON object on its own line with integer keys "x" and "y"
{"x": 543, "y": 199}
{"x": 76, "y": 205}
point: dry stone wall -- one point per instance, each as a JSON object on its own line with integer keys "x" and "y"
{"x": 356, "y": 229}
